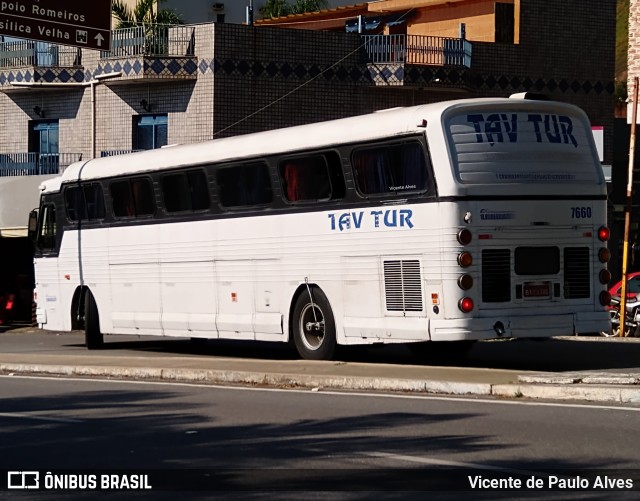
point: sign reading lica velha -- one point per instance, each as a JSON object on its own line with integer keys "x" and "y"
{"x": 66, "y": 22}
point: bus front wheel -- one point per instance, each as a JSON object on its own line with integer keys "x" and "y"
{"x": 92, "y": 335}
{"x": 314, "y": 329}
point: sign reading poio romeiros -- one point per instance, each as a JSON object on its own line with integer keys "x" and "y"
{"x": 84, "y": 24}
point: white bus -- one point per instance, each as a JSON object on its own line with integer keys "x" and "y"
{"x": 456, "y": 221}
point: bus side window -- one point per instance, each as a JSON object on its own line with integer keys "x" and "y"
{"x": 46, "y": 235}
{"x": 185, "y": 191}
{"x": 244, "y": 185}
{"x": 316, "y": 177}
{"x": 132, "y": 197}
{"x": 122, "y": 200}
{"x": 143, "y": 196}
{"x": 84, "y": 202}
{"x": 393, "y": 168}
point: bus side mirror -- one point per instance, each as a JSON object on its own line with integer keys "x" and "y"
{"x": 32, "y": 229}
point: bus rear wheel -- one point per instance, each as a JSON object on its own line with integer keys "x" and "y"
{"x": 92, "y": 335}
{"x": 314, "y": 329}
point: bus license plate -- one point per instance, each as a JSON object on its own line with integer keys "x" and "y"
{"x": 537, "y": 290}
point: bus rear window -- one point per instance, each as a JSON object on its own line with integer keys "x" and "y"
{"x": 536, "y": 147}
{"x": 390, "y": 169}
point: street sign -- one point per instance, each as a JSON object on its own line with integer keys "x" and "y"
{"x": 67, "y": 22}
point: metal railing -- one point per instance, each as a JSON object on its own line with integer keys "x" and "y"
{"x": 34, "y": 164}
{"x": 152, "y": 40}
{"x": 112, "y": 153}
{"x": 417, "y": 49}
{"x": 21, "y": 53}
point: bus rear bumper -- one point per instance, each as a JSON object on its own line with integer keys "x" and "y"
{"x": 506, "y": 326}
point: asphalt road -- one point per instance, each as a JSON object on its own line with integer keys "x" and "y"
{"x": 311, "y": 437}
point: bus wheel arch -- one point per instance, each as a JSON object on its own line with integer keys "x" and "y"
{"x": 312, "y": 326}
{"x": 78, "y": 308}
{"x": 92, "y": 334}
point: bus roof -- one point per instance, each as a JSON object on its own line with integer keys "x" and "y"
{"x": 377, "y": 125}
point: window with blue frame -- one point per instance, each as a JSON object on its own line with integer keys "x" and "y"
{"x": 150, "y": 131}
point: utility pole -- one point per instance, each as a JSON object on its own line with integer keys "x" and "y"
{"x": 250, "y": 13}
{"x": 627, "y": 213}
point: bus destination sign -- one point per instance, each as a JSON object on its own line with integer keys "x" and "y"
{"x": 65, "y": 22}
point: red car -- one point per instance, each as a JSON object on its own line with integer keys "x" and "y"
{"x": 6, "y": 308}
{"x": 633, "y": 285}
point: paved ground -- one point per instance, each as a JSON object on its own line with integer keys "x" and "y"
{"x": 575, "y": 368}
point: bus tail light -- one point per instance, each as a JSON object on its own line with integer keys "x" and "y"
{"x": 465, "y": 259}
{"x": 605, "y": 276}
{"x": 605, "y": 298}
{"x": 604, "y": 255}
{"x": 604, "y": 234}
{"x": 465, "y": 304}
{"x": 464, "y": 237}
{"x": 465, "y": 282}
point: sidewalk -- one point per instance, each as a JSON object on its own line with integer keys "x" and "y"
{"x": 607, "y": 370}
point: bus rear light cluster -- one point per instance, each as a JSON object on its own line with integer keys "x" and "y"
{"x": 604, "y": 255}
{"x": 604, "y": 276}
{"x": 605, "y": 298}
{"x": 464, "y": 237}
{"x": 465, "y": 282}
{"x": 604, "y": 234}
{"x": 465, "y": 304}
{"x": 465, "y": 259}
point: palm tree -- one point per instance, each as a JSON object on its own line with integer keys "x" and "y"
{"x": 302, "y": 6}
{"x": 144, "y": 13}
{"x": 278, "y": 8}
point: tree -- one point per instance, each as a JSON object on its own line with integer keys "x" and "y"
{"x": 275, "y": 8}
{"x": 302, "y": 6}
{"x": 144, "y": 13}
{"x": 279, "y": 8}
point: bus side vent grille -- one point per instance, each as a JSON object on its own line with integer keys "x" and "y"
{"x": 496, "y": 275}
{"x": 402, "y": 285}
{"x": 577, "y": 273}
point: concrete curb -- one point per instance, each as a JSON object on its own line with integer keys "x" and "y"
{"x": 591, "y": 392}
{"x": 255, "y": 378}
{"x": 562, "y": 388}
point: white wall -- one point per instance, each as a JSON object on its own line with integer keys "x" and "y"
{"x": 18, "y": 196}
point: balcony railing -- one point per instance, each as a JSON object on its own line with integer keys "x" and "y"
{"x": 417, "y": 49}
{"x": 35, "y": 164}
{"x": 112, "y": 153}
{"x": 152, "y": 40}
{"x": 21, "y": 53}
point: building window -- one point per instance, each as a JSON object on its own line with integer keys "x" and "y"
{"x": 44, "y": 144}
{"x": 505, "y": 23}
{"x": 150, "y": 131}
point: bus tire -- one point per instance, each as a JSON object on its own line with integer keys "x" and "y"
{"x": 92, "y": 335}
{"x": 314, "y": 328}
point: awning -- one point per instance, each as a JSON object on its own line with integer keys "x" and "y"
{"x": 375, "y": 23}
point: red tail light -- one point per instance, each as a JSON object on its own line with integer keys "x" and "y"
{"x": 604, "y": 234}
{"x": 465, "y": 304}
